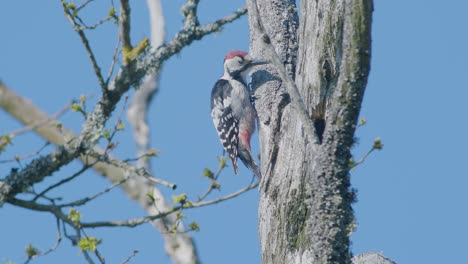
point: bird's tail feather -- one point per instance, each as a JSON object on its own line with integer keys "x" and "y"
{"x": 245, "y": 156}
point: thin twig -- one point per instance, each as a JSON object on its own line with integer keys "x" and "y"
{"x": 132, "y": 170}
{"x": 213, "y": 181}
{"x": 53, "y": 248}
{"x": 217, "y": 25}
{"x": 57, "y": 242}
{"x": 100, "y": 22}
{"x": 53, "y": 186}
{"x": 164, "y": 221}
{"x": 88, "y": 257}
{"x": 360, "y": 161}
{"x": 27, "y": 156}
{"x": 85, "y": 200}
{"x": 84, "y": 40}
{"x": 96, "y": 251}
{"x": 139, "y": 221}
{"x": 114, "y": 60}
{"x": 127, "y": 260}
{"x": 83, "y": 5}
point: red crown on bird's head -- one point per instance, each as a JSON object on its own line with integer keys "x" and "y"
{"x": 235, "y": 53}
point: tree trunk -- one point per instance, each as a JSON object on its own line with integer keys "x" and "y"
{"x": 305, "y": 213}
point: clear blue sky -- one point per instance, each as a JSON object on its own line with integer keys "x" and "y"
{"x": 412, "y": 195}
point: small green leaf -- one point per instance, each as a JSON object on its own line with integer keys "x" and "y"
{"x": 106, "y": 134}
{"x": 150, "y": 196}
{"x": 362, "y": 121}
{"x": 152, "y": 152}
{"x": 120, "y": 126}
{"x": 179, "y": 215}
{"x": 31, "y": 251}
{"x": 377, "y": 144}
{"x": 74, "y": 216}
{"x": 173, "y": 229}
{"x": 112, "y": 12}
{"x": 179, "y": 198}
{"x": 208, "y": 173}
{"x": 76, "y": 107}
{"x": 82, "y": 99}
{"x": 351, "y": 163}
{"x": 222, "y": 162}
{"x": 89, "y": 243}
{"x": 70, "y": 6}
{"x": 5, "y": 140}
{"x": 194, "y": 226}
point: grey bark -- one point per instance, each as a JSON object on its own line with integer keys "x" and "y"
{"x": 305, "y": 213}
{"x": 372, "y": 258}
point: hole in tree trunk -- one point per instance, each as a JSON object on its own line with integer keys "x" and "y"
{"x": 319, "y": 124}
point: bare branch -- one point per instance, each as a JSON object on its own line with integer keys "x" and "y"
{"x": 137, "y": 114}
{"x": 56, "y": 210}
{"x": 124, "y": 27}
{"x": 152, "y": 62}
{"x": 217, "y": 25}
{"x": 128, "y": 168}
{"x": 190, "y": 13}
{"x": 40, "y": 123}
{"x": 27, "y": 113}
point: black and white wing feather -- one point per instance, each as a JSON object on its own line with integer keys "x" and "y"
{"x": 225, "y": 121}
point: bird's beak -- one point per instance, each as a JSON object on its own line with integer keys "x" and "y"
{"x": 254, "y": 62}
{"x": 258, "y": 62}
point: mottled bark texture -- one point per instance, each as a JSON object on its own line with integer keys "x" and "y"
{"x": 305, "y": 213}
{"x": 371, "y": 258}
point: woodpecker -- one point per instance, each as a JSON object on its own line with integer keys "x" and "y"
{"x": 232, "y": 110}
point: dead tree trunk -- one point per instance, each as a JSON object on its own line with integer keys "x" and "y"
{"x": 305, "y": 213}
